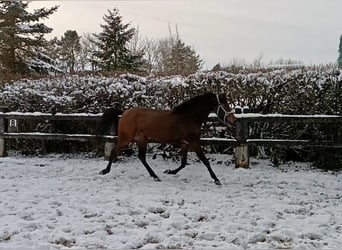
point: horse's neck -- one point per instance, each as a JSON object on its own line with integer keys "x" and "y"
{"x": 201, "y": 117}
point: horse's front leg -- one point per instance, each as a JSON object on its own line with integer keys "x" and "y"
{"x": 199, "y": 151}
{"x": 184, "y": 155}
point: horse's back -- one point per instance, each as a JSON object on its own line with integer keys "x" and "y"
{"x": 139, "y": 114}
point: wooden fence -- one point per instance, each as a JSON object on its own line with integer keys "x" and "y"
{"x": 9, "y": 130}
{"x": 244, "y": 121}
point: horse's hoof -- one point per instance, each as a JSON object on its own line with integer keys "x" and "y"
{"x": 169, "y": 171}
{"x": 218, "y": 183}
{"x": 103, "y": 172}
{"x": 157, "y": 179}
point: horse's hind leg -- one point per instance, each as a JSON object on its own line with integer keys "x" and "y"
{"x": 142, "y": 148}
{"x": 184, "y": 155}
{"x": 112, "y": 158}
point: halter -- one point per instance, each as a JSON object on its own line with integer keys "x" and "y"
{"x": 226, "y": 113}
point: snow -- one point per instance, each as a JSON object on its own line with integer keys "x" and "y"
{"x": 219, "y": 139}
{"x": 257, "y": 115}
{"x": 60, "y": 201}
{"x": 24, "y": 27}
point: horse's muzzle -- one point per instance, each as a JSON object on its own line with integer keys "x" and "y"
{"x": 231, "y": 118}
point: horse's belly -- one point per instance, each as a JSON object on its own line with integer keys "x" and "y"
{"x": 163, "y": 131}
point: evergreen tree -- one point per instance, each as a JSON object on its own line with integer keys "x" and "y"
{"x": 112, "y": 43}
{"x": 176, "y": 58}
{"x": 184, "y": 60}
{"x": 339, "y": 59}
{"x": 43, "y": 63}
{"x": 51, "y": 48}
{"x": 69, "y": 48}
{"x": 21, "y": 34}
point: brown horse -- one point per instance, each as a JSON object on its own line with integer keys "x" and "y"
{"x": 180, "y": 126}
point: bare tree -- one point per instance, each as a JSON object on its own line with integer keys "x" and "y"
{"x": 150, "y": 46}
{"x": 69, "y": 49}
{"x": 257, "y": 62}
{"x": 86, "y": 56}
{"x": 171, "y": 56}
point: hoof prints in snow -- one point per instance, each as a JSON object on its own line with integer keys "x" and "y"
{"x": 68, "y": 205}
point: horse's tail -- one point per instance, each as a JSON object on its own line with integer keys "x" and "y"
{"x": 109, "y": 122}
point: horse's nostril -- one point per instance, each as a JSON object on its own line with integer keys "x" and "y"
{"x": 231, "y": 119}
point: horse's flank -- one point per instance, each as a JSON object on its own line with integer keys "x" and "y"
{"x": 155, "y": 125}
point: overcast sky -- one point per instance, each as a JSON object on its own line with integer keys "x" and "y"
{"x": 220, "y": 30}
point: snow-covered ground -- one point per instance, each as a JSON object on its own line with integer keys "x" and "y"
{"x": 61, "y": 201}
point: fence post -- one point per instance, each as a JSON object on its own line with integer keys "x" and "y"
{"x": 109, "y": 146}
{"x": 241, "y": 150}
{"x": 3, "y": 152}
{"x": 12, "y": 127}
{"x": 2, "y": 141}
{"x": 339, "y": 134}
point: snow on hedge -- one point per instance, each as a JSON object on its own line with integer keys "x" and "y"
{"x": 313, "y": 91}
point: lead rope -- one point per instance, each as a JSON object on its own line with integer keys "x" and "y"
{"x": 219, "y": 106}
{"x": 226, "y": 113}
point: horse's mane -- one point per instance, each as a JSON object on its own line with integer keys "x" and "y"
{"x": 190, "y": 105}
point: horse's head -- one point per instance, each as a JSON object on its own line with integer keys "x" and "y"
{"x": 223, "y": 110}
{"x": 200, "y": 106}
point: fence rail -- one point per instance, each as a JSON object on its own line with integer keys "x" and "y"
{"x": 289, "y": 118}
{"x": 241, "y": 141}
{"x": 57, "y": 136}
{"x": 242, "y": 132}
{"x": 52, "y": 117}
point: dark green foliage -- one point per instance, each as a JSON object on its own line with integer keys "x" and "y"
{"x": 182, "y": 60}
{"x": 21, "y": 35}
{"x": 173, "y": 57}
{"x": 113, "y": 53}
